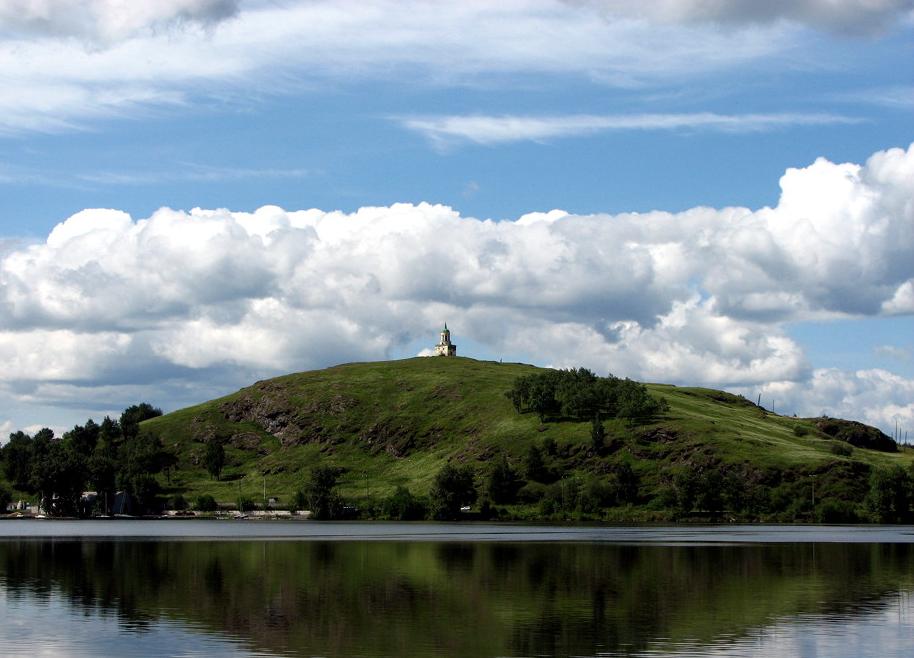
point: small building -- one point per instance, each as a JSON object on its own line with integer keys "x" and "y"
{"x": 445, "y": 347}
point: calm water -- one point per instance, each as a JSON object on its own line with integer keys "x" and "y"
{"x": 192, "y": 588}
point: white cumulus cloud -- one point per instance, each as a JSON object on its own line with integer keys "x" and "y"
{"x": 179, "y": 299}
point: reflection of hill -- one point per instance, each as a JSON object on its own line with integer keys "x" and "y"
{"x": 462, "y": 599}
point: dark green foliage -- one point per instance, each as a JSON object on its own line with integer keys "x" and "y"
{"x": 597, "y": 434}
{"x": 299, "y": 501}
{"x": 6, "y": 497}
{"x": 504, "y": 482}
{"x": 579, "y": 394}
{"x": 402, "y": 505}
{"x": 178, "y": 502}
{"x": 245, "y": 504}
{"x": 214, "y": 458}
{"x": 17, "y": 460}
{"x": 83, "y": 437}
{"x": 857, "y": 434}
{"x": 145, "y": 489}
{"x": 452, "y": 488}
{"x": 102, "y": 469}
{"x": 58, "y": 475}
{"x": 800, "y": 430}
{"x": 133, "y": 416}
{"x": 531, "y": 492}
{"x": 890, "y": 495}
{"x": 595, "y": 495}
{"x": 836, "y": 511}
{"x": 205, "y": 503}
{"x": 320, "y": 490}
{"x": 534, "y": 466}
{"x": 699, "y": 489}
{"x": 624, "y": 484}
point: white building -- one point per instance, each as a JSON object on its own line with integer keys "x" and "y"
{"x": 445, "y": 347}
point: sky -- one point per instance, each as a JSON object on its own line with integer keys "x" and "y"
{"x": 197, "y": 194}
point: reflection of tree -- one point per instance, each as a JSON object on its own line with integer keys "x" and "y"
{"x": 468, "y": 599}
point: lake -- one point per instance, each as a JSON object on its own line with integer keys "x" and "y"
{"x": 243, "y": 588}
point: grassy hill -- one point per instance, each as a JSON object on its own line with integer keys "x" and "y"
{"x": 394, "y": 423}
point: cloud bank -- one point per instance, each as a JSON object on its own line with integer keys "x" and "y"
{"x": 700, "y": 297}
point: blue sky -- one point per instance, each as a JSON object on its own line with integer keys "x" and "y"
{"x": 436, "y": 117}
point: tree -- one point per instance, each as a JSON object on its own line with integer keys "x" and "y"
{"x": 890, "y": 495}
{"x": 214, "y": 459}
{"x": 325, "y": 503}
{"x": 504, "y": 482}
{"x": 83, "y": 437}
{"x": 134, "y": 415}
{"x": 205, "y": 503}
{"x": 452, "y": 488}
{"x": 17, "y": 460}
{"x": 626, "y": 483}
{"x": 534, "y": 467}
{"x": 58, "y": 475}
{"x": 597, "y": 434}
{"x": 402, "y": 505}
{"x": 6, "y": 497}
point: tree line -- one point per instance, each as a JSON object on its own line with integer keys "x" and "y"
{"x": 106, "y": 457}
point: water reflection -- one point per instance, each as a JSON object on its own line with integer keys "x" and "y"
{"x": 466, "y": 599}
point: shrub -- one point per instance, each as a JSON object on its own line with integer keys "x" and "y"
{"x": 6, "y": 497}
{"x": 402, "y": 505}
{"x": 320, "y": 490}
{"x": 178, "y": 502}
{"x": 453, "y": 487}
{"x": 206, "y": 503}
{"x": 299, "y": 501}
{"x": 836, "y": 511}
{"x": 531, "y": 492}
{"x": 800, "y": 430}
{"x": 245, "y": 504}
{"x": 504, "y": 482}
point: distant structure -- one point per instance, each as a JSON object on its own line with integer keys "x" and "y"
{"x": 445, "y": 347}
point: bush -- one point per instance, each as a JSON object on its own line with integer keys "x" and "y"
{"x": 245, "y": 504}
{"x": 453, "y": 488}
{"x": 403, "y": 506}
{"x": 800, "y": 430}
{"x": 596, "y": 495}
{"x": 320, "y": 490}
{"x": 206, "y": 503}
{"x": 6, "y": 497}
{"x": 836, "y": 511}
{"x": 890, "y": 495}
{"x": 178, "y": 502}
{"x": 504, "y": 482}
{"x": 531, "y": 492}
{"x": 299, "y": 501}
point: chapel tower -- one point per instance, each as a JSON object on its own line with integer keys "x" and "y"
{"x": 445, "y": 347}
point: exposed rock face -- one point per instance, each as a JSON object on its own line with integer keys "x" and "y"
{"x": 857, "y": 434}
{"x": 292, "y": 423}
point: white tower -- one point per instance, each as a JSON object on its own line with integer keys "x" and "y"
{"x": 445, "y": 347}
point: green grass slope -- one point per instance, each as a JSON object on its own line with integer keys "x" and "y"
{"x": 398, "y": 422}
